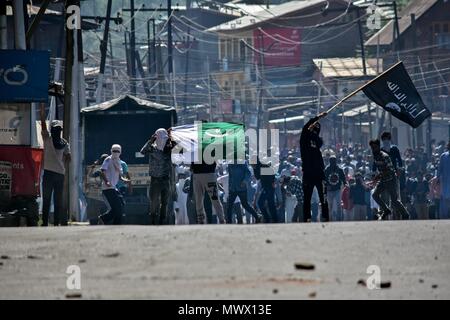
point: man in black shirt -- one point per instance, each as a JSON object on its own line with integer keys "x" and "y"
{"x": 265, "y": 174}
{"x": 205, "y": 180}
{"x": 313, "y": 167}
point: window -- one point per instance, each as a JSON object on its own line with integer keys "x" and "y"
{"x": 443, "y": 40}
{"x": 235, "y": 49}
{"x": 437, "y": 28}
{"x": 242, "y": 49}
{"x": 228, "y": 54}
{"x": 237, "y": 90}
{"x": 222, "y": 48}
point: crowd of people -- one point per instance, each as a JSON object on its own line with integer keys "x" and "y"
{"x": 313, "y": 182}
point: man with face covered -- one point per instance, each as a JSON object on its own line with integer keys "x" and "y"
{"x": 56, "y": 154}
{"x": 159, "y": 149}
{"x": 386, "y": 182}
{"x": 111, "y": 173}
{"x": 313, "y": 167}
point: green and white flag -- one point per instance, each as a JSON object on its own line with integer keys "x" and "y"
{"x": 208, "y": 142}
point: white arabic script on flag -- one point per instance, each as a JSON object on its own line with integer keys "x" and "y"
{"x": 402, "y": 100}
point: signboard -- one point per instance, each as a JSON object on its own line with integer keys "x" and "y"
{"x": 24, "y": 75}
{"x": 26, "y": 169}
{"x": 5, "y": 180}
{"x": 280, "y": 46}
{"x": 15, "y": 124}
{"x": 138, "y": 173}
{"x": 226, "y": 106}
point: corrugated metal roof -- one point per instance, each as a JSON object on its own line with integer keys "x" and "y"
{"x": 346, "y": 67}
{"x": 418, "y": 7}
{"x": 358, "y": 110}
{"x": 33, "y": 10}
{"x": 267, "y": 15}
{"x": 114, "y": 102}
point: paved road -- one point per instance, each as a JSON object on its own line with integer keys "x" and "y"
{"x": 228, "y": 262}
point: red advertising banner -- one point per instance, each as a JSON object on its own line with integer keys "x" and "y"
{"x": 226, "y": 105}
{"x": 280, "y": 46}
{"x": 26, "y": 169}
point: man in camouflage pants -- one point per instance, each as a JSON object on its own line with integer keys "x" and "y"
{"x": 386, "y": 183}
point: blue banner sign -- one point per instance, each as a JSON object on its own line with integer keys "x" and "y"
{"x": 24, "y": 75}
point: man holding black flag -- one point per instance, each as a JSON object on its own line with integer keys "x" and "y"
{"x": 394, "y": 91}
{"x": 313, "y": 167}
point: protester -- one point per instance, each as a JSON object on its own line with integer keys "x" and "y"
{"x": 295, "y": 188}
{"x": 180, "y": 205}
{"x": 111, "y": 171}
{"x": 56, "y": 156}
{"x": 265, "y": 194}
{"x": 159, "y": 148}
{"x": 421, "y": 197}
{"x": 290, "y": 200}
{"x": 443, "y": 175}
{"x": 386, "y": 182}
{"x": 124, "y": 185}
{"x": 238, "y": 175}
{"x": 313, "y": 167}
{"x": 347, "y": 203}
{"x": 334, "y": 179}
{"x": 205, "y": 184}
{"x": 357, "y": 196}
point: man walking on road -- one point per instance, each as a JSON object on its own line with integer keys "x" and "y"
{"x": 205, "y": 181}
{"x": 111, "y": 172}
{"x": 159, "y": 148}
{"x": 238, "y": 176}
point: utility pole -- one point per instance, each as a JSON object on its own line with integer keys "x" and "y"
{"x": 132, "y": 51}
{"x": 419, "y": 137}
{"x": 68, "y": 99}
{"x": 151, "y": 56}
{"x": 209, "y": 89}
{"x": 383, "y": 112}
{"x": 397, "y": 45}
{"x": 113, "y": 70}
{"x": 169, "y": 11}
{"x": 169, "y": 35}
{"x": 53, "y": 104}
{"x": 363, "y": 57}
{"x": 3, "y": 26}
{"x": 186, "y": 70}
{"x": 103, "y": 50}
{"x": 142, "y": 74}
{"x": 261, "y": 93}
{"x": 19, "y": 25}
{"x": 319, "y": 89}
{"x": 127, "y": 55}
{"x": 20, "y": 44}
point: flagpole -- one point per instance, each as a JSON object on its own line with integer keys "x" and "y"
{"x": 356, "y": 91}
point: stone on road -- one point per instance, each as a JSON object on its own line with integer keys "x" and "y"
{"x": 229, "y": 261}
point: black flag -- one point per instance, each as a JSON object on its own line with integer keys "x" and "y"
{"x": 395, "y": 92}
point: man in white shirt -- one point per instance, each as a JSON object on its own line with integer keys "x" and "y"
{"x": 111, "y": 172}
{"x": 56, "y": 154}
